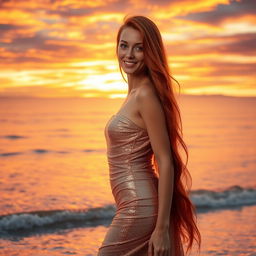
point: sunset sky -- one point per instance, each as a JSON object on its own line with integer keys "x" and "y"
{"x": 67, "y": 48}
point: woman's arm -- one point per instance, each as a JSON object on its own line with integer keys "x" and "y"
{"x": 165, "y": 191}
{"x": 152, "y": 114}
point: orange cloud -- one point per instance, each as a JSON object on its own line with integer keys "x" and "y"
{"x": 63, "y": 48}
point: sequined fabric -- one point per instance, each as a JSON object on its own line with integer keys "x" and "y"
{"x": 134, "y": 186}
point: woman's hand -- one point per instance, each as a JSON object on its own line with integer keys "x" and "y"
{"x": 159, "y": 243}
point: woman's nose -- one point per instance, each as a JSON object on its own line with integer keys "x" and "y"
{"x": 129, "y": 53}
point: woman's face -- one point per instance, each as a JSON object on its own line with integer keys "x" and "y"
{"x": 130, "y": 51}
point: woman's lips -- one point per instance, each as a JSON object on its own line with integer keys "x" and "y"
{"x": 129, "y": 64}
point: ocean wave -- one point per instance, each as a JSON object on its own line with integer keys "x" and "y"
{"x": 203, "y": 199}
{"x": 55, "y": 218}
{"x": 230, "y": 197}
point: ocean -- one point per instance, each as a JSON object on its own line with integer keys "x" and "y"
{"x": 55, "y": 196}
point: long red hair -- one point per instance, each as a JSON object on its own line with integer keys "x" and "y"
{"x": 183, "y": 214}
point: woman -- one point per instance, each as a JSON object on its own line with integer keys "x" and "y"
{"x": 154, "y": 214}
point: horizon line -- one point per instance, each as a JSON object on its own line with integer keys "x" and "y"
{"x": 100, "y": 97}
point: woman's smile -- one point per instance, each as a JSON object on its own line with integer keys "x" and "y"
{"x": 130, "y": 51}
{"x": 129, "y": 64}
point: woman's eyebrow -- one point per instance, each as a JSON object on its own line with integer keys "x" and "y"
{"x": 127, "y": 42}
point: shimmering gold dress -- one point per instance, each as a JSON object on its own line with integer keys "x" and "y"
{"x": 134, "y": 185}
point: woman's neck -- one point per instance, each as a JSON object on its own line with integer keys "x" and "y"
{"x": 135, "y": 82}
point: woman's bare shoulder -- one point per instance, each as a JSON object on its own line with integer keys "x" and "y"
{"x": 146, "y": 89}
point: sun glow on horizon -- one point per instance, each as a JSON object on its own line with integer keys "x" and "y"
{"x": 69, "y": 49}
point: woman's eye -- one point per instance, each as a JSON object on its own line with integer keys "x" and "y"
{"x": 139, "y": 48}
{"x": 122, "y": 45}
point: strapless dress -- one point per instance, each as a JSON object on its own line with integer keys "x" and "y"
{"x": 134, "y": 185}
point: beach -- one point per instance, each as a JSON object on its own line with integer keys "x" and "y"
{"x": 55, "y": 193}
